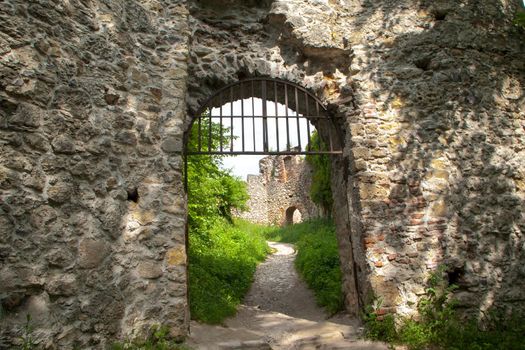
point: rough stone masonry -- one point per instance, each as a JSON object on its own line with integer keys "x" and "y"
{"x": 95, "y": 99}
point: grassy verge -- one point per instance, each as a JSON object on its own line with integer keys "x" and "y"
{"x": 317, "y": 259}
{"x": 441, "y": 327}
{"x": 221, "y": 268}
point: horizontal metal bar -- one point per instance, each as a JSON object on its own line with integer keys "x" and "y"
{"x": 252, "y": 153}
{"x": 278, "y": 116}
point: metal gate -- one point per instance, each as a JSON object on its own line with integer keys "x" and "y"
{"x": 263, "y": 116}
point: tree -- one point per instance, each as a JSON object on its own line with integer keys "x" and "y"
{"x": 213, "y": 193}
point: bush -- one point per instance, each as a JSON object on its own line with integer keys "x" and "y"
{"x": 221, "y": 269}
{"x": 317, "y": 259}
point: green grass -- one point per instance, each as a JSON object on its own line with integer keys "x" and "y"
{"x": 158, "y": 340}
{"x": 441, "y": 327}
{"x": 317, "y": 259}
{"x": 222, "y": 263}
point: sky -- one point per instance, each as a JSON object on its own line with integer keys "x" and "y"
{"x": 249, "y": 164}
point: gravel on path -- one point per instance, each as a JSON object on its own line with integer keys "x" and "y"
{"x": 279, "y": 312}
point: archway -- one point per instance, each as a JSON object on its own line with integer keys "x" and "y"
{"x": 292, "y": 216}
{"x": 310, "y": 114}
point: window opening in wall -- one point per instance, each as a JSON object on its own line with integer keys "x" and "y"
{"x": 293, "y": 216}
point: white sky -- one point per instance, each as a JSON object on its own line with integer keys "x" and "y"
{"x": 249, "y": 164}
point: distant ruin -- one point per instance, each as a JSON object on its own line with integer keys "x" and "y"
{"x": 279, "y": 195}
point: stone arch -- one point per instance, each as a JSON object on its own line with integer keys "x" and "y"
{"x": 292, "y": 215}
{"x": 327, "y": 82}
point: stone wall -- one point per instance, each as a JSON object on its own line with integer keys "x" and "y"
{"x": 92, "y": 209}
{"x": 431, "y": 96}
{"x": 282, "y": 186}
{"x": 93, "y": 99}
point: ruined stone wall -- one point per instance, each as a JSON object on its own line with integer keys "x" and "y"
{"x": 92, "y": 208}
{"x": 283, "y": 183}
{"x": 431, "y": 96}
{"x": 93, "y": 101}
{"x": 258, "y": 202}
{"x": 437, "y": 150}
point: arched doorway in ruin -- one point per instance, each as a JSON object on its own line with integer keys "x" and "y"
{"x": 269, "y": 132}
{"x": 292, "y": 216}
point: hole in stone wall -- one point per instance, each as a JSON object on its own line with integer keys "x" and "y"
{"x": 423, "y": 63}
{"x": 7, "y": 108}
{"x": 455, "y": 275}
{"x": 242, "y": 75}
{"x": 133, "y": 195}
{"x": 440, "y": 15}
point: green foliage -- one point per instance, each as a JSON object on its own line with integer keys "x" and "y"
{"x": 519, "y": 20}
{"x": 441, "y": 327}
{"x": 213, "y": 193}
{"x": 379, "y": 327}
{"x": 317, "y": 259}
{"x": 222, "y": 254}
{"x": 321, "y": 190}
{"x": 222, "y": 266}
{"x": 27, "y": 342}
{"x": 158, "y": 340}
{"x": 383, "y": 328}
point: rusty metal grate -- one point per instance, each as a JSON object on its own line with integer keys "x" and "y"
{"x": 262, "y": 116}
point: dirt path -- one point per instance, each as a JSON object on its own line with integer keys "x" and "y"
{"x": 277, "y": 287}
{"x": 279, "y": 312}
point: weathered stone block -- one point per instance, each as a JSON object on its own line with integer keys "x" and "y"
{"x": 92, "y": 252}
{"x": 63, "y": 144}
{"x": 172, "y": 144}
{"x": 27, "y": 116}
{"x": 150, "y": 269}
{"x": 176, "y": 256}
{"x": 63, "y": 285}
{"x": 60, "y": 190}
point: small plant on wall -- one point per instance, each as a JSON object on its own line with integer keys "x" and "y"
{"x": 440, "y": 325}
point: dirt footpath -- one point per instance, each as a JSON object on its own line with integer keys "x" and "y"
{"x": 279, "y": 312}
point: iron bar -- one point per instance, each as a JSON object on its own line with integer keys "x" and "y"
{"x": 283, "y": 117}
{"x": 297, "y": 118}
{"x": 209, "y": 132}
{"x": 309, "y": 147}
{"x": 265, "y": 114}
{"x": 276, "y": 114}
{"x": 199, "y": 147}
{"x": 318, "y": 133}
{"x": 231, "y": 119}
{"x": 326, "y": 144}
{"x": 286, "y": 113}
{"x": 253, "y": 115}
{"x": 284, "y": 153}
{"x": 242, "y": 113}
{"x": 220, "y": 120}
